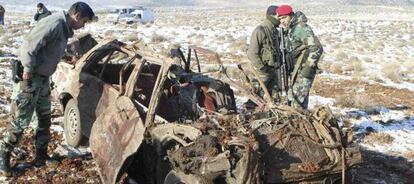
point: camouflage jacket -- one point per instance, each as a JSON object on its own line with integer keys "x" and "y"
{"x": 300, "y": 37}
{"x": 262, "y": 50}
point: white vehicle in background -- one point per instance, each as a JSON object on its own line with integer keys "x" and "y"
{"x": 133, "y": 15}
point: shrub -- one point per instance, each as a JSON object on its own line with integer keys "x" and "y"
{"x": 131, "y": 38}
{"x": 158, "y": 38}
{"x": 360, "y": 101}
{"x": 341, "y": 56}
{"x": 367, "y": 59}
{"x": 335, "y": 67}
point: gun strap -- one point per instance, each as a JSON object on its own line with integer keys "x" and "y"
{"x": 299, "y": 61}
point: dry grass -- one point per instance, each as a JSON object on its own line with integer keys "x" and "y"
{"x": 333, "y": 67}
{"x": 411, "y": 43}
{"x": 354, "y": 67}
{"x": 392, "y": 71}
{"x": 238, "y": 44}
{"x": 342, "y": 56}
{"x": 4, "y": 120}
{"x": 358, "y": 101}
{"x": 378, "y": 138}
{"x": 367, "y": 59}
{"x": 158, "y": 38}
{"x": 131, "y": 38}
{"x": 108, "y": 33}
{"x": 6, "y": 40}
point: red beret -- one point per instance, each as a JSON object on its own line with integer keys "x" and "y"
{"x": 284, "y": 10}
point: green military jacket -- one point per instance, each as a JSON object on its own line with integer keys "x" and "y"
{"x": 300, "y": 38}
{"x": 263, "y": 47}
{"x": 45, "y": 45}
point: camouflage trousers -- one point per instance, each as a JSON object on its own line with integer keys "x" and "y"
{"x": 28, "y": 97}
{"x": 271, "y": 81}
{"x": 298, "y": 94}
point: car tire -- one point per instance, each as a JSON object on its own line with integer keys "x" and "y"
{"x": 177, "y": 177}
{"x": 72, "y": 124}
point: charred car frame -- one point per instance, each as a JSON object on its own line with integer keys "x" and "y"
{"x": 153, "y": 118}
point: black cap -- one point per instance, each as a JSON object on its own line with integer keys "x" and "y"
{"x": 84, "y": 9}
{"x": 40, "y": 5}
{"x": 271, "y": 10}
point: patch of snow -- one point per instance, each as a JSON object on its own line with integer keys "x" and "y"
{"x": 315, "y": 100}
{"x": 396, "y": 124}
{"x": 240, "y": 100}
{"x": 402, "y": 85}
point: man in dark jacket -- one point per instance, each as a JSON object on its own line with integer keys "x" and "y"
{"x": 264, "y": 53}
{"x": 39, "y": 54}
{"x": 42, "y": 12}
{"x": 305, "y": 50}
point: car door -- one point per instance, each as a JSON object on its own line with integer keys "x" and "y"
{"x": 117, "y": 133}
{"x": 91, "y": 91}
{"x": 115, "y": 136}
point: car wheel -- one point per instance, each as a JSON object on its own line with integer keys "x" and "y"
{"x": 177, "y": 177}
{"x": 72, "y": 124}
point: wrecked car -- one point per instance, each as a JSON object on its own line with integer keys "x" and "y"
{"x": 151, "y": 118}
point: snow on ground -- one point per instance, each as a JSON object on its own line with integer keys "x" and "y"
{"x": 395, "y": 126}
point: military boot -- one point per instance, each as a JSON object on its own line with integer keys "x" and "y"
{"x": 5, "y": 163}
{"x": 40, "y": 157}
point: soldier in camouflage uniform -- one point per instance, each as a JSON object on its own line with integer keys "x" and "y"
{"x": 304, "y": 50}
{"x": 264, "y": 53}
{"x": 40, "y": 53}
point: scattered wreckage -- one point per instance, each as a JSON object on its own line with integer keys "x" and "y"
{"x": 152, "y": 117}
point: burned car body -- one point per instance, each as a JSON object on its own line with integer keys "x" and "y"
{"x": 153, "y": 118}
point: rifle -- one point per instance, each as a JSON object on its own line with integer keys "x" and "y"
{"x": 286, "y": 66}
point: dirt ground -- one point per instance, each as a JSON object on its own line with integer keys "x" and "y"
{"x": 363, "y": 95}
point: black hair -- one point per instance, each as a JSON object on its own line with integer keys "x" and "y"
{"x": 83, "y": 9}
{"x": 40, "y": 5}
{"x": 271, "y": 10}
